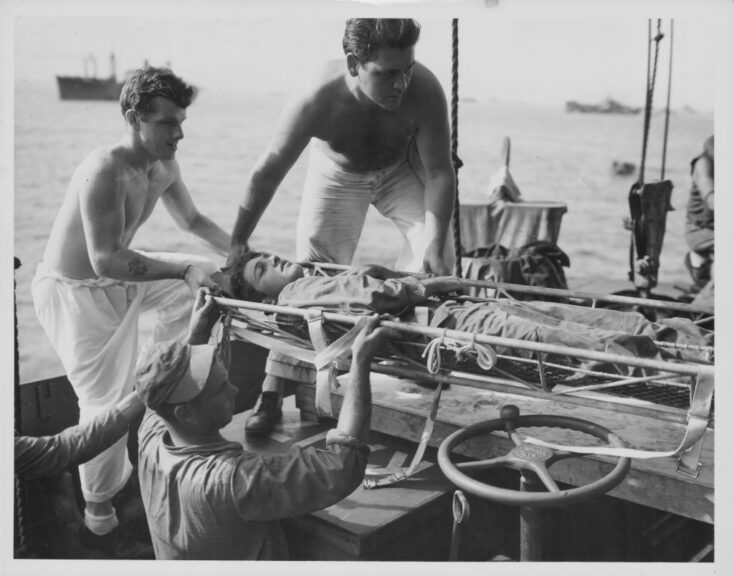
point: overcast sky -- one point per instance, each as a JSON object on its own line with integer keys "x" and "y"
{"x": 519, "y": 51}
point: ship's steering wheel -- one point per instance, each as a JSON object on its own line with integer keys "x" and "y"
{"x": 529, "y": 458}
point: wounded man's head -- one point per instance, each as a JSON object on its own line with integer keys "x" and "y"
{"x": 258, "y": 276}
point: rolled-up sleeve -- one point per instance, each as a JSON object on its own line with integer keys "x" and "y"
{"x": 336, "y": 436}
{"x": 270, "y": 487}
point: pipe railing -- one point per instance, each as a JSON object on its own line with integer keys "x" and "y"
{"x": 556, "y": 292}
{"x": 685, "y": 369}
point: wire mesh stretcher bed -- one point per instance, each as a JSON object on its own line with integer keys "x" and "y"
{"x": 674, "y": 389}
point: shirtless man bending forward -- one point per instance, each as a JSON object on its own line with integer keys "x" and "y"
{"x": 91, "y": 287}
{"x": 380, "y": 124}
{"x": 381, "y": 136}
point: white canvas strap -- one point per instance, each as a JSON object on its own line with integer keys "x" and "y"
{"x": 689, "y": 448}
{"x": 327, "y": 357}
{"x": 404, "y": 473}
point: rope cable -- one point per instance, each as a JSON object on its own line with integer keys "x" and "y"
{"x": 20, "y": 487}
{"x": 456, "y": 161}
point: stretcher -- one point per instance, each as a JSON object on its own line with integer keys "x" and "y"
{"x": 680, "y": 391}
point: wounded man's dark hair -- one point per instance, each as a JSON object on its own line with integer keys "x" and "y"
{"x": 241, "y": 289}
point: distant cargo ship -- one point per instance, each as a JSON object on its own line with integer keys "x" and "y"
{"x": 90, "y": 87}
{"x": 80, "y": 88}
{"x": 609, "y": 106}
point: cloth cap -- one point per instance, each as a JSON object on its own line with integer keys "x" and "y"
{"x": 172, "y": 373}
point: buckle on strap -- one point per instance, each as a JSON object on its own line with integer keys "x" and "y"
{"x": 403, "y": 473}
{"x": 689, "y": 461}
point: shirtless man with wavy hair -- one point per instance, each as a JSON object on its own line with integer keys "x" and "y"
{"x": 91, "y": 287}
{"x": 377, "y": 121}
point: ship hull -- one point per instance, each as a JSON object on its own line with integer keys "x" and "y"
{"x": 79, "y": 88}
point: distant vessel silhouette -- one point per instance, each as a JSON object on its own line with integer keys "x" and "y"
{"x": 609, "y": 106}
{"x": 90, "y": 87}
{"x": 93, "y": 88}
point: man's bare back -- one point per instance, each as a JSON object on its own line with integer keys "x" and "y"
{"x": 137, "y": 189}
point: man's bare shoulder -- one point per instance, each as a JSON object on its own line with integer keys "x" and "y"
{"x": 165, "y": 173}
{"x": 101, "y": 164}
{"x": 320, "y": 91}
{"x": 168, "y": 168}
{"x": 323, "y": 85}
{"x": 425, "y": 95}
{"x": 425, "y": 82}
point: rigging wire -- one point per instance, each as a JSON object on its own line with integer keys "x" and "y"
{"x": 650, "y": 90}
{"x": 652, "y": 66}
{"x": 456, "y": 161}
{"x": 667, "y": 104}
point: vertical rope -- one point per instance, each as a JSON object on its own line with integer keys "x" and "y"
{"x": 455, "y": 139}
{"x": 20, "y": 495}
{"x": 667, "y": 104}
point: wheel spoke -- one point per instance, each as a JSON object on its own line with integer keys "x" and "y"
{"x": 559, "y": 455}
{"x": 532, "y": 460}
{"x": 516, "y": 438}
{"x": 542, "y": 472}
{"x": 485, "y": 464}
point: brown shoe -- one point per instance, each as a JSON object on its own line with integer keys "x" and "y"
{"x": 269, "y": 413}
{"x": 117, "y": 544}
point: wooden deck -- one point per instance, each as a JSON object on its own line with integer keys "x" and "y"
{"x": 400, "y": 407}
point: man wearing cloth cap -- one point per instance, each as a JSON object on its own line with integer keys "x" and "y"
{"x": 206, "y": 497}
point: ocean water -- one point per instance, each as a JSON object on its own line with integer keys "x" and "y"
{"x": 555, "y": 156}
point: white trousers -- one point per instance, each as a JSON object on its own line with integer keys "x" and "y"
{"x": 93, "y": 326}
{"x": 335, "y": 203}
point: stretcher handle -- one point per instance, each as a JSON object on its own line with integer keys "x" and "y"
{"x": 409, "y": 328}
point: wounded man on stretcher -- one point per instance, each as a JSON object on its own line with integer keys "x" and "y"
{"x": 261, "y": 277}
